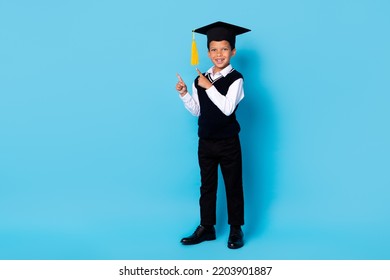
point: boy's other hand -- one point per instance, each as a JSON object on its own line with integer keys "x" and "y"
{"x": 181, "y": 87}
{"x": 203, "y": 81}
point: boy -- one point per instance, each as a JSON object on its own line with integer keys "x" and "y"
{"x": 215, "y": 97}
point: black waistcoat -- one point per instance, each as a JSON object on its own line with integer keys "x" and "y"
{"x": 213, "y": 124}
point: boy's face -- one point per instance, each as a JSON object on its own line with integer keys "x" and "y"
{"x": 220, "y": 53}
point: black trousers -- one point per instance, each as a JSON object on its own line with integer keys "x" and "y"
{"x": 227, "y": 154}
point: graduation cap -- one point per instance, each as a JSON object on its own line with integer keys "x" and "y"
{"x": 217, "y": 31}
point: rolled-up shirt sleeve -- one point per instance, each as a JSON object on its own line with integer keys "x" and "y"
{"x": 228, "y": 103}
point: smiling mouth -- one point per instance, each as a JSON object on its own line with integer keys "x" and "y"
{"x": 220, "y": 60}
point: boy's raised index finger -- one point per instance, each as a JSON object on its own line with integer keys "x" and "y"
{"x": 200, "y": 73}
{"x": 179, "y": 77}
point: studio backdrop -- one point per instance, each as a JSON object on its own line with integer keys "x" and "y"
{"x": 98, "y": 156}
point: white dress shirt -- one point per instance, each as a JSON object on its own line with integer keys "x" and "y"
{"x": 227, "y": 104}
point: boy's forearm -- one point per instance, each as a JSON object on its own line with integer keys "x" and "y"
{"x": 228, "y": 103}
{"x": 191, "y": 102}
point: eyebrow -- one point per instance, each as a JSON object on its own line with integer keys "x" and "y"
{"x": 224, "y": 47}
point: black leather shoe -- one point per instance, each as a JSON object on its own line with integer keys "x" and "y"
{"x": 201, "y": 234}
{"x": 236, "y": 238}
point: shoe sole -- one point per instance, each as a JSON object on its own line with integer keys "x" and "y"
{"x": 208, "y": 238}
{"x": 235, "y": 247}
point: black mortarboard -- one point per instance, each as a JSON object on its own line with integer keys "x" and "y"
{"x": 219, "y": 31}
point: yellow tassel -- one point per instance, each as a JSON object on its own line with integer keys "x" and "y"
{"x": 194, "y": 51}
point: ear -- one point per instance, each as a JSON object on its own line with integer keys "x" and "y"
{"x": 233, "y": 52}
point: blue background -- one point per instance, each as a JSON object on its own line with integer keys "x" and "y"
{"x": 98, "y": 155}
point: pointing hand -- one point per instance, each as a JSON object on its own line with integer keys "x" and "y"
{"x": 181, "y": 87}
{"x": 203, "y": 81}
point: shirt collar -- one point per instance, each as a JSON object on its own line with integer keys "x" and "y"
{"x": 224, "y": 72}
